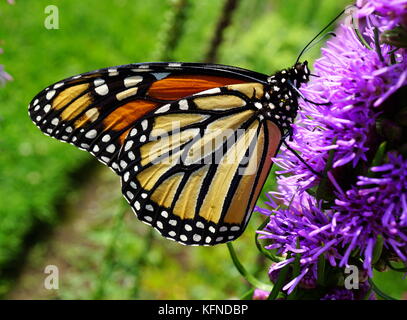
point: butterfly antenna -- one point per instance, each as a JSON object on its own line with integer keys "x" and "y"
{"x": 318, "y": 35}
{"x": 330, "y": 33}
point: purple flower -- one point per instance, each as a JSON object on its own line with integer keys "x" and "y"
{"x": 300, "y": 229}
{"x": 260, "y": 294}
{"x": 344, "y": 214}
{"x": 392, "y": 12}
{"x": 340, "y": 293}
{"x": 375, "y": 207}
{"x": 4, "y": 76}
{"x": 355, "y": 81}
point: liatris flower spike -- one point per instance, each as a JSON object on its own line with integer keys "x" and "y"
{"x": 354, "y": 213}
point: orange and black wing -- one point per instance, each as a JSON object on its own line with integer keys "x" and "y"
{"x": 188, "y": 140}
{"x": 193, "y": 169}
{"x": 96, "y": 110}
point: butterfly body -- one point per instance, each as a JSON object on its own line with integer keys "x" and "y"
{"x": 191, "y": 142}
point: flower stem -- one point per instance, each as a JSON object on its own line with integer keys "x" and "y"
{"x": 250, "y": 278}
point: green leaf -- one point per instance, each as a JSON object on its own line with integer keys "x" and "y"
{"x": 249, "y": 277}
{"x": 282, "y": 276}
{"x": 378, "y": 249}
{"x": 380, "y": 293}
{"x": 296, "y": 271}
{"x": 248, "y": 295}
{"x": 321, "y": 270}
{"x": 403, "y": 269}
{"x": 378, "y": 158}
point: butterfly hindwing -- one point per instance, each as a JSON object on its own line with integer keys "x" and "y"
{"x": 194, "y": 168}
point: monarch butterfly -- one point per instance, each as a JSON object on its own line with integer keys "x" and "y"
{"x": 117, "y": 113}
{"x": 157, "y": 125}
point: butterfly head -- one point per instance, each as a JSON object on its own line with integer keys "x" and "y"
{"x": 294, "y": 76}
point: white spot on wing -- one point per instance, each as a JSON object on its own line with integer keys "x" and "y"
{"x": 130, "y": 195}
{"x": 106, "y": 138}
{"x": 163, "y": 109}
{"x": 113, "y": 72}
{"x": 132, "y": 81}
{"x": 131, "y": 155}
{"x": 91, "y": 134}
{"x": 47, "y": 108}
{"x": 111, "y": 148}
{"x": 50, "y": 94}
{"x": 98, "y": 82}
{"x": 183, "y": 104}
{"x": 209, "y": 91}
{"x": 128, "y": 145}
{"x": 126, "y": 93}
{"x": 137, "y": 206}
{"x": 102, "y": 90}
{"x": 58, "y": 85}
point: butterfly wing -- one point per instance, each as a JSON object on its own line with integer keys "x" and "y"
{"x": 96, "y": 110}
{"x": 193, "y": 169}
{"x": 150, "y": 123}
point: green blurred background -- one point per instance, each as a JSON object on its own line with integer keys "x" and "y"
{"x": 59, "y": 206}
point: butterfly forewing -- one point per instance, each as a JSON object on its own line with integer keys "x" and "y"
{"x": 95, "y": 111}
